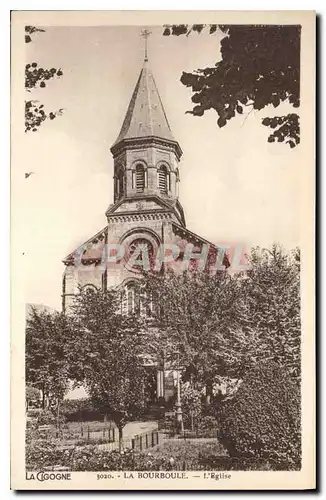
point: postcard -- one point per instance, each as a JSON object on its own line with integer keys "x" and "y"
{"x": 163, "y": 183}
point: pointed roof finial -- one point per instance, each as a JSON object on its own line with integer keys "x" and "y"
{"x": 145, "y": 34}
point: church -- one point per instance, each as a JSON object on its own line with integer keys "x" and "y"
{"x": 146, "y": 211}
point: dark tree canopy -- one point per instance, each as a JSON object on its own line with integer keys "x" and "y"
{"x": 259, "y": 66}
{"x": 36, "y": 77}
{"x": 46, "y": 361}
{"x": 105, "y": 354}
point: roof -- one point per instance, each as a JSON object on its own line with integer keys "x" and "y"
{"x": 145, "y": 115}
{"x": 187, "y": 236}
{"x": 89, "y": 252}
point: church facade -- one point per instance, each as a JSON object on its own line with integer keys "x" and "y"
{"x": 146, "y": 211}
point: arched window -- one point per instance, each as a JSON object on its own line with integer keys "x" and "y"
{"x": 135, "y": 300}
{"x": 146, "y": 303}
{"x": 120, "y": 183}
{"x": 163, "y": 179}
{"x": 131, "y": 299}
{"x": 140, "y": 178}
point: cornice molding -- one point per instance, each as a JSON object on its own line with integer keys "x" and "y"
{"x": 140, "y": 216}
{"x": 145, "y": 142}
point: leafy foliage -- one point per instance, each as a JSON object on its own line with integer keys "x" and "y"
{"x": 29, "y": 31}
{"x": 75, "y": 405}
{"x": 191, "y": 403}
{"x": 169, "y": 456}
{"x": 188, "y": 303}
{"x": 271, "y": 308}
{"x": 106, "y": 351}
{"x": 260, "y": 66}
{"x": 207, "y": 424}
{"x": 186, "y": 29}
{"x": 41, "y": 454}
{"x": 35, "y": 115}
{"x": 288, "y": 127}
{"x": 45, "y": 352}
{"x": 242, "y": 319}
{"x": 234, "y": 338}
{"x": 32, "y": 393}
{"x": 46, "y": 417}
{"x": 36, "y": 77}
{"x": 263, "y": 419}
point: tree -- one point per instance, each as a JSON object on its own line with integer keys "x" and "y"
{"x": 47, "y": 365}
{"x": 259, "y": 66}
{"x": 263, "y": 420}
{"x": 271, "y": 308}
{"x": 107, "y": 355}
{"x": 35, "y": 77}
{"x": 222, "y": 325}
{"x": 31, "y": 394}
{"x": 195, "y": 314}
{"x": 191, "y": 403}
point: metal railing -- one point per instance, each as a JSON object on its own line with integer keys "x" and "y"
{"x": 107, "y": 433}
{"x": 139, "y": 442}
{"x": 143, "y": 441}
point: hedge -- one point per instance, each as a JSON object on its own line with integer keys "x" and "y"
{"x": 263, "y": 420}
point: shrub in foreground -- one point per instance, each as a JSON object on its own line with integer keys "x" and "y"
{"x": 262, "y": 421}
{"x": 171, "y": 456}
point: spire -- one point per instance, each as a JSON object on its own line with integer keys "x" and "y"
{"x": 145, "y": 117}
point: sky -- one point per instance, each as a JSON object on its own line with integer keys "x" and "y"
{"x": 235, "y": 187}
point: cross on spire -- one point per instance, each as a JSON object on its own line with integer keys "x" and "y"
{"x": 145, "y": 34}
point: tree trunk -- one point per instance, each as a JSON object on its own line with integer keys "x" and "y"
{"x": 58, "y": 417}
{"x": 209, "y": 392}
{"x": 120, "y": 427}
{"x": 191, "y": 412}
{"x": 43, "y": 396}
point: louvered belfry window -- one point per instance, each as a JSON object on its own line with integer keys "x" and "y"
{"x": 163, "y": 180}
{"x": 120, "y": 184}
{"x": 140, "y": 178}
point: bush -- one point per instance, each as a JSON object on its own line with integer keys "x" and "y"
{"x": 41, "y": 454}
{"x": 31, "y": 424}
{"x": 263, "y": 419}
{"x": 170, "y": 456}
{"x": 46, "y": 417}
{"x": 207, "y": 425}
{"x": 91, "y": 459}
{"x": 32, "y": 393}
{"x": 81, "y": 410}
{"x": 34, "y": 413}
{"x": 191, "y": 404}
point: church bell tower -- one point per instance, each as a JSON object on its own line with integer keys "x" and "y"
{"x": 145, "y": 214}
{"x": 146, "y": 155}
